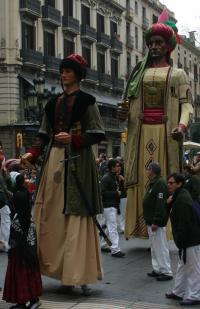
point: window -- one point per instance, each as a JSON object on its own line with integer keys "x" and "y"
{"x": 69, "y": 47}
{"x": 85, "y": 14}
{"x": 136, "y": 59}
{"x": 113, "y": 28}
{"x": 100, "y": 23}
{"x": 136, "y": 37}
{"x": 190, "y": 66}
{"x": 127, "y": 4}
{"x": 49, "y": 44}
{"x": 154, "y": 19}
{"x": 114, "y": 68}
{"x": 101, "y": 62}
{"x": 68, "y": 8}
{"x": 136, "y": 7}
{"x": 128, "y": 65}
{"x": 143, "y": 14}
{"x": 28, "y": 36}
{"x": 86, "y": 53}
{"x": 50, "y": 3}
{"x": 128, "y": 31}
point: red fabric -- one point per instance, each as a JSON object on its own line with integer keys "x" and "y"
{"x": 153, "y": 116}
{"x": 22, "y": 283}
{"x": 36, "y": 149}
{"x": 182, "y": 126}
{"x": 77, "y": 141}
{"x": 79, "y": 59}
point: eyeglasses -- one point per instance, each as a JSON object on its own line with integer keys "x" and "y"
{"x": 171, "y": 182}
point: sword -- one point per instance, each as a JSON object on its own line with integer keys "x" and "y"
{"x": 84, "y": 197}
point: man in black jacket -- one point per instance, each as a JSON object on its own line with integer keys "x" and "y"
{"x": 186, "y": 233}
{"x": 155, "y": 216}
{"x": 111, "y": 199}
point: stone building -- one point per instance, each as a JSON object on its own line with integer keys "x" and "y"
{"x": 36, "y": 34}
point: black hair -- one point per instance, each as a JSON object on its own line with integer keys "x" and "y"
{"x": 75, "y": 66}
{"x": 112, "y": 163}
{"x": 178, "y": 177}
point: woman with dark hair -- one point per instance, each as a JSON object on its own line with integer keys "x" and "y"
{"x": 23, "y": 280}
{"x": 186, "y": 234}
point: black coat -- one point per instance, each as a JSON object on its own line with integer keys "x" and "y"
{"x": 184, "y": 220}
{"x": 109, "y": 187}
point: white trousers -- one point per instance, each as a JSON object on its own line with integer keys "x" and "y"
{"x": 121, "y": 217}
{"x": 110, "y": 215}
{"x": 5, "y": 224}
{"x": 187, "y": 280}
{"x": 159, "y": 251}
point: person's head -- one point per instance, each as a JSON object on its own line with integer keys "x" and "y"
{"x": 20, "y": 180}
{"x": 153, "y": 170}
{"x": 114, "y": 166}
{"x": 175, "y": 182}
{"x": 161, "y": 41}
{"x": 72, "y": 70}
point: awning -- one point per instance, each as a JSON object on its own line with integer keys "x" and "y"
{"x": 191, "y": 145}
{"x": 102, "y": 99}
{"x": 27, "y": 78}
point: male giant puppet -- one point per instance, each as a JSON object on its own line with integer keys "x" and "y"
{"x": 67, "y": 237}
{"x": 159, "y": 111}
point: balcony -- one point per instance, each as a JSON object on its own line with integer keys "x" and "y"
{"x": 130, "y": 42}
{"x": 105, "y": 80}
{"x": 51, "y": 16}
{"x": 129, "y": 14}
{"x": 30, "y": 7}
{"x": 116, "y": 45}
{"x": 145, "y": 23}
{"x": 31, "y": 57}
{"x": 88, "y": 33}
{"x": 118, "y": 84}
{"x": 52, "y": 63}
{"x": 103, "y": 40}
{"x": 92, "y": 76}
{"x": 70, "y": 24}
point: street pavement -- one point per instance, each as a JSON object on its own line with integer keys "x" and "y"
{"x": 125, "y": 284}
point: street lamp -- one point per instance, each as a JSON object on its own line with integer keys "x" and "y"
{"x": 39, "y": 83}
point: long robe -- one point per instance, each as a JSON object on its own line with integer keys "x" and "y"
{"x": 153, "y": 142}
{"x": 68, "y": 243}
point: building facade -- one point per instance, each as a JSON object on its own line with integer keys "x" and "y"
{"x": 35, "y": 35}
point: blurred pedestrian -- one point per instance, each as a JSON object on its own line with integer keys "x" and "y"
{"x": 111, "y": 200}
{"x": 156, "y": 216}
{"x": 186, "y": 234}
{"x": 23, "y": 283}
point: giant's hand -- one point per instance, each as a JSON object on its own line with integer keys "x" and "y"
{"x": 122, "y": 111}
{"x": 177, "y": 134}
{"x": 63, "y": 137}
{"x": 26, "y": 159}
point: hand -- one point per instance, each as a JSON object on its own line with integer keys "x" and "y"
{"x": 63, "y": 137}
{"x": 26, "y": 159}
{"x": 154, "y": 227}
{"x": 177, "y": 134}
{"x": 170, "y": 199}
{"x": 119, "y": 192}
{"x": 122, "y": 111}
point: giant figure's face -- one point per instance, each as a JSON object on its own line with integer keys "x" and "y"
{"x": 157, "y": 47}
{"x": 68, "y": 77}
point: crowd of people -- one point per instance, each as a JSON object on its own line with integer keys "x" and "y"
{"x": 74, "y": 189}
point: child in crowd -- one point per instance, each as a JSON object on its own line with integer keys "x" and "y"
{"x": 23, "y": 283}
